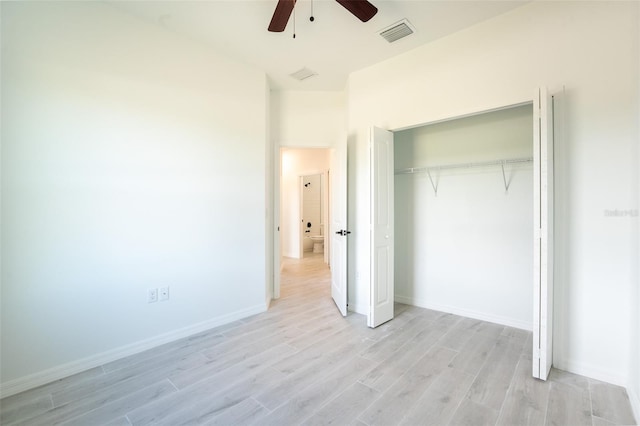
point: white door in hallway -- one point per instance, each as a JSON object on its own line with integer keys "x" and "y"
{"x": 382, "y": 227}
{"x": 542, "y": 233}
{"x": 338, "y": 230}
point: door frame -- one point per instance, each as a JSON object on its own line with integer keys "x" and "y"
{"x": 277, "y": 203}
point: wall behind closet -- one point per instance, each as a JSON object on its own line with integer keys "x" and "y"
{"x": 468, "y": 249}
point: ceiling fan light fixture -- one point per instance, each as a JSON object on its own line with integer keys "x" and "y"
{"x": 395, "y": 32}
{"x": 303, "y": 74}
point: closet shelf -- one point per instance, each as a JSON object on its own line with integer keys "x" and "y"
{"x": 429, "y": 169}
{"x": 412, "y": 170}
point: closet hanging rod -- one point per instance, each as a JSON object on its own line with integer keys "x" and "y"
{"x": 412, "y": 170}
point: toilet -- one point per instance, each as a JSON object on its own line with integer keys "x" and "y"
{"x": 318, "y": 243}
{"x": 318, "y": 240}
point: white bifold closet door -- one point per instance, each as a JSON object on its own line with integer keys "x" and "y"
{"x": 382, "y": 232}
{"x": 542, "y": 233}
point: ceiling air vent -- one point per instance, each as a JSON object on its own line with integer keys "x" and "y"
{"x": 397, "y": 31}
{"x": 303, "y": 74}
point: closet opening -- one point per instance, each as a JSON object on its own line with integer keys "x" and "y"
{"x": 463, "y": 222}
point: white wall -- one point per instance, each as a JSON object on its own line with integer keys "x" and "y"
{"x": 131, "y": 159}
{"x": 296, "y": 162}
{"x": 467, "y": 249}
{"x": 307, "y": 119}
{"x": 592, "y": 49}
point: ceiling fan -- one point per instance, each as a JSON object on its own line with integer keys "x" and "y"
{"x": 361, "y": 9}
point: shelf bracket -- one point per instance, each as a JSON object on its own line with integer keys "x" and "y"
{"x": 504, "y": 178}
{"x": 433, "y": 185}
{"x": 507, "y": 183}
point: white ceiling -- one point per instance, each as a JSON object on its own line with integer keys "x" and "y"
{"x": 334, "y": 45}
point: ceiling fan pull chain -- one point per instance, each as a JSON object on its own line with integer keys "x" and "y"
{"x": 294, "y": 20}
{"x": 311, "y": 18}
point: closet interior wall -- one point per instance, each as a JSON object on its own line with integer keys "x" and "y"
{"x": 463, "y": 240}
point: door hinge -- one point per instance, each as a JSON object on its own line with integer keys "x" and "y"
{"x": 536, "y": 353}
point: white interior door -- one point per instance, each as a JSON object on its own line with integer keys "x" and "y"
{"x": 543, "y": 234}
{"x": 382, "y": 235}
{"x": 338, "y": 230}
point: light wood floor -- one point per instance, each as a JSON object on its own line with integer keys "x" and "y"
{"x": 301, "y": 363}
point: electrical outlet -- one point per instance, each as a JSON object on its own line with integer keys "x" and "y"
{"x": 163, "y": 293}
{"x": 152, "y": 295}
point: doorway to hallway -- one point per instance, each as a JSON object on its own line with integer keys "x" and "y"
{"x": 312, "y": 193}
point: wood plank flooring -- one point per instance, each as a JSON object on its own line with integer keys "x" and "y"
{"x": 302, "y": 363}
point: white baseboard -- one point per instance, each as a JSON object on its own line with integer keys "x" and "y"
{"x": 589, "y": 371}
{"x": 40, "y": 378}
{"x": 510, "y": 322}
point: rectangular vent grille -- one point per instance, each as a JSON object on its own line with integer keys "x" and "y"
{"x": 397, "y": 31}
{"x": 303, "y": 74}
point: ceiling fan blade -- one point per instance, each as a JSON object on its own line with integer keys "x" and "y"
{"x": 281, "y": 15}
{"x": 361, "y": 9}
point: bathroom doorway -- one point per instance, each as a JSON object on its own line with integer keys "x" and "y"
{"x": 314, "y": 215}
